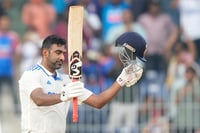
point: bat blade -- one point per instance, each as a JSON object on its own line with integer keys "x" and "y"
{"x": 75, "y": 31}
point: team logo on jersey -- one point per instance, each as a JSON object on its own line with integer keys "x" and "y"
{"x": 75, "y": 66}
{"x": 48, "y": 82}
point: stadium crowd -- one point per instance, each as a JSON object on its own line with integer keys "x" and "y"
{"x": 167, "y": 98}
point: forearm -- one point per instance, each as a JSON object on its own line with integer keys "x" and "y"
{"x": 98, "y": 101}
{"x": 170, "y": 42}
{"x": 42, "y": 99}
{"x": 47, "y": 100}
{"x": 127, "y": 78}
{"x": 191, "y": 48}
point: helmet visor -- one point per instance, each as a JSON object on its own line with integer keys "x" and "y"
{"x": 128, "y": 57}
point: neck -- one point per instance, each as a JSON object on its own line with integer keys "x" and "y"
{"x": 44, "y": 64}
{"x": 128, "y": 26}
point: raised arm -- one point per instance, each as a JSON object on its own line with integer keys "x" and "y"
{"x": 98, "y": 101}
{"x": 125, "y": 78}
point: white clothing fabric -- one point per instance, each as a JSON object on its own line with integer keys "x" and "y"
{"x": 190, "y": 18}
{"x": 30, "y": 55}
{"x": 122, "y": 116}
{"x": 44, "y": 119}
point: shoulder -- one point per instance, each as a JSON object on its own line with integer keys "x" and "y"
{"x": 10, "y": 34}
{"x": 166, "y": 16}
{"x": 31, "y": 72}
{"x": 34, "y": 68}
{"x": 13, "y": 35}
{"x": 143, "y": 16}
{"x": 137, "y": 25}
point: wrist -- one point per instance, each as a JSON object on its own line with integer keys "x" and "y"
{"x": 118, "y": 85}
{"x": 120, "y": 81}
{"x": 59, "y": 97}
{"x": 63, "y": 96}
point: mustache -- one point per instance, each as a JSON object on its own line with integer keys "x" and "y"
{"x": 60, "y": 60}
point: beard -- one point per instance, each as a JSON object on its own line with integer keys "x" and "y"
{"x": 56, "y": 64}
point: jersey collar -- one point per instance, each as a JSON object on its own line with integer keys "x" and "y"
{"x": 55, "y": 75}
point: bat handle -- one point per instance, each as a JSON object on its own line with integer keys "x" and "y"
{"x": 75, "y": 110}
{"x": 75, "y": 107}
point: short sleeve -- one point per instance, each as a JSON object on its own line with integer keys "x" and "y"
{"x": 87, "y": 93}
{"x": 29, "y": 81}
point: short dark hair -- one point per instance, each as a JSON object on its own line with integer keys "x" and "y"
{"x": 155, "y": 2}
{"x": 5, "y": 15}
{"x": 191, "y": 69}
{"x": 52, "y": 39}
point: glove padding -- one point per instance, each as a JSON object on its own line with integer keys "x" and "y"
{"x": 73, "y": 89}
{"x": 130, "y": 75}
{"x": 135, "y": 77}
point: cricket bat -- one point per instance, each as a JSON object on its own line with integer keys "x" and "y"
{"x": 75, "y": 33}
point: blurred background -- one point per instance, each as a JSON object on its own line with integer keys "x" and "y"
{"x": 165, "y": 100}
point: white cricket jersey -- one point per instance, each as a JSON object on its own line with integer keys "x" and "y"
{"x": 44, "y": 119}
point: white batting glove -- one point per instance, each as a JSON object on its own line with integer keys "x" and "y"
{"x": 73, "y": 89}
{"x": 129, "y": 76}
{"x": 135, "y": 77}
{"x": 124, "y": 76}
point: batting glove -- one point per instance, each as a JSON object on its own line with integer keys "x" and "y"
{"x": 129, "y": 76}
{"x": 73, "y": 89}
{"x": 135, "y": 77}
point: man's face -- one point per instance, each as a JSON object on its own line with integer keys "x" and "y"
{"x": 189, "y": 75}
{"x": 56, "y": 56}
{"x": 154, "y": 9}
{"x": 127, "y": 16}
{"x": 4, "y": 23}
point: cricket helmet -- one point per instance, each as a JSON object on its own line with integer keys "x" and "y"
{"x": 132, "y": 47}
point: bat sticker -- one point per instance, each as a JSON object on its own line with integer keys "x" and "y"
{"x": 75, "y": 66}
